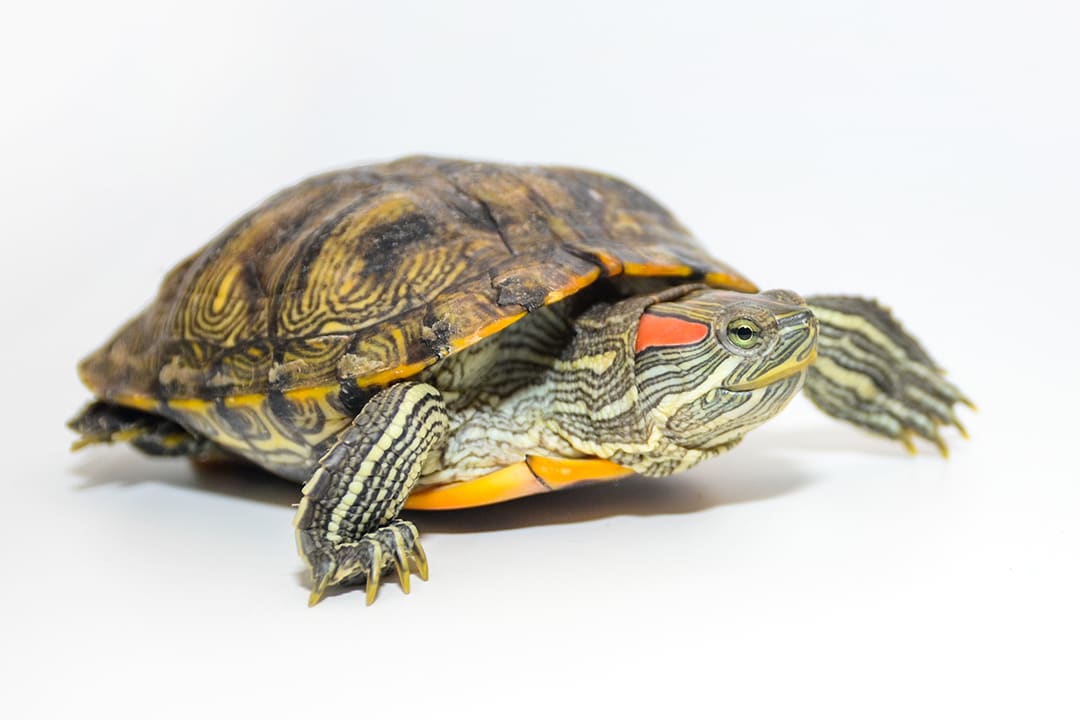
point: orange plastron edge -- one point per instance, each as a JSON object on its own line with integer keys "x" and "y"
{"x": 536, "y": 475}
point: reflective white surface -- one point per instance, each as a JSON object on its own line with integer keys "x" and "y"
{"x": 924, "y": 152}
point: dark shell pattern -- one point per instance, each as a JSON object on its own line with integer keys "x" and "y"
{"x": 368, "y": 275}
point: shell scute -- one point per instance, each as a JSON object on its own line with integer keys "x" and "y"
{"x": 368, "y": 275}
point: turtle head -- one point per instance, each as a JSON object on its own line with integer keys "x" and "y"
{"x": 711, "y": 365}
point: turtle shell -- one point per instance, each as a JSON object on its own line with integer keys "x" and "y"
{"x": 360, "y": 277}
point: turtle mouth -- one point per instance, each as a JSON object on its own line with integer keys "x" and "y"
{"x": 794, "y": 350}
{"x": 781, "y": 372}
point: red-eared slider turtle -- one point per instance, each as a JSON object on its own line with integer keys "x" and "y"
{"x": 434, "y": 333}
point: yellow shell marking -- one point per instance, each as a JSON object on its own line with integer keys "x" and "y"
{"x": 536, "y": 475}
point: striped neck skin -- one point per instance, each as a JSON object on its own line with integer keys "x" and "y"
{"x": 707, "y": 367}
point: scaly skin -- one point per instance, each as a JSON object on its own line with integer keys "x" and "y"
{"x": 346, "y": 525}
{"x": 872, "y": 373}
{"x": 607, "y": 397}
{"x": 285, "y": 341}
{"x": 580, "y": 387}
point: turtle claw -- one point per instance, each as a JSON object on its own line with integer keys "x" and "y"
{"x": 372, "y": 586}
{"x": 317, "y": 593}
{"x": 942, "y": 447}
{"x": 420, "y": 558}
{"x": 365, "y": 560}
{"x": 917, "y": 414}
{"x": 400, "y": 558}
{"x": 959, "y": 427}
{"x": 322, "y": 575}
{"x": 403, "y": 577}
{"x": 931, "y": 407}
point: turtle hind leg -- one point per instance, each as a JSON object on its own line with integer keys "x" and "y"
{"x": 347, "y": 527}
{"x": 105, "y": 422}
{"x": 872, "y": 373}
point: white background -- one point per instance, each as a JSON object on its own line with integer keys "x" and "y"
{"x": 923, "y": 152}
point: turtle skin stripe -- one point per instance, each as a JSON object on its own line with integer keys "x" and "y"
{"x": 874, "y": 374}
{"x": 346, "y": 524}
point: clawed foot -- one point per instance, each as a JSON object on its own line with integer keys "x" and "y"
{"x": 926, "y": 411}
{"x": 874, "y": 374}
{"x": 921, "y": 403}
{"x": 363, "y": 561}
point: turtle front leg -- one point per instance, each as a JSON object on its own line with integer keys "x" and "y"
{"x": 347, "y": 527}
{"x": 872, "y": 373}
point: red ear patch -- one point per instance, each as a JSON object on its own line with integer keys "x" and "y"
{"x": 659, "y": 330}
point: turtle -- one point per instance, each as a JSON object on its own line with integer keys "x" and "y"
{"x": 432, "y": 333}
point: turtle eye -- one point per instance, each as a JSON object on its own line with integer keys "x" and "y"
{"x": 743, "y": 333}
